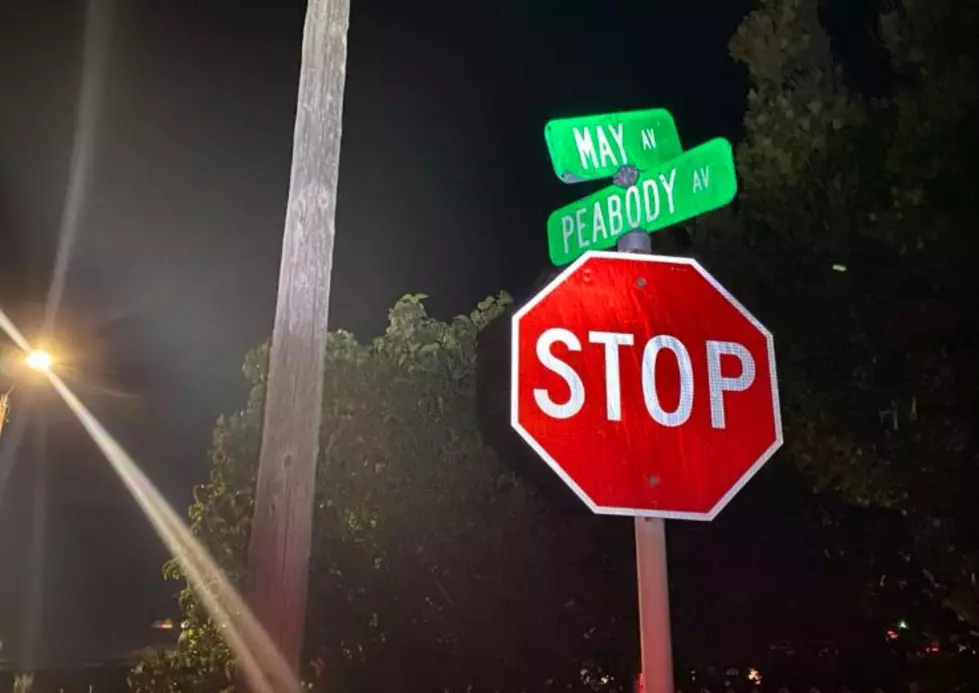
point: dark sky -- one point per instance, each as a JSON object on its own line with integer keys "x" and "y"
{"x": 445, "y": 188}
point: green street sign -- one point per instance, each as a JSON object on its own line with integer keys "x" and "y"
{"x": 696, "y": 182}
{"x": 593, "y": 147}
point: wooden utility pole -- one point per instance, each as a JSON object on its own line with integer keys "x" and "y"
{"x": 278, "y": 568}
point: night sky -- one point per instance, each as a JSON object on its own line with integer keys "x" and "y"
{"x": 444, "y": 189}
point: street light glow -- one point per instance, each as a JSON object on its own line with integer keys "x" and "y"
{"x": 39, "y": 361}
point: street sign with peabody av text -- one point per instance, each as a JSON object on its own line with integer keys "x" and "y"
{"x": 698, "y": 181}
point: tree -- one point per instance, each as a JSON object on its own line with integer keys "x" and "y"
{"x": 851, "y": 239}
{"x": 23, "y": 683}
{"x": 852, "y": 235}
{"x": 427, "y": 549}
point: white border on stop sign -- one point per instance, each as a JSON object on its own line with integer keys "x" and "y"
{"x": 552, "y": 463}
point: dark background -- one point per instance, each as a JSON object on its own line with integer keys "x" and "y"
{"x": 445, "y": 187}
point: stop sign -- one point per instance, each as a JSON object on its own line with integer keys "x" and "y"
{"x": 645, "y": 385}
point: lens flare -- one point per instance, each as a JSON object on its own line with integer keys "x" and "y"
{"x": 14, "y": 334}
{"x": 260, "y": 662}
{"x": 39, "y": 361}
{"x": 257, "y": 655}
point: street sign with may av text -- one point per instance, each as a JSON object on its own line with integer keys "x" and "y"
{"x": 596, "y": 146}
{"x": 698, "y": 181}
{"x": 639, "y": 379}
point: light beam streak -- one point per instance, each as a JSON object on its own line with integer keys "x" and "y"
{"x": 258, "y": 659}
{"x": 246, "y": 638}
{"x": 98, "y": 23}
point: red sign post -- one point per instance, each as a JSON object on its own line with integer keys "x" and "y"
{"x": 651, "y": 392}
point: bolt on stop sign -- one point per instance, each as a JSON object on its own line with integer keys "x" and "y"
{"x": 645, "y": 385}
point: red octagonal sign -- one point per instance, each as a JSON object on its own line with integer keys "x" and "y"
{"x": 645, "y": 385}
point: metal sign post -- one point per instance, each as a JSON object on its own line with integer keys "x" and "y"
{"x": 652, "y": 574}
{"x": 610, "y": 317}
{"x": 655, "y": 642}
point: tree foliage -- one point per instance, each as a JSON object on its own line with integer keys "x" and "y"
{"x": 852, "y": 239}
{"x": 853, "y": 236}
{"x": 427, "y": 549}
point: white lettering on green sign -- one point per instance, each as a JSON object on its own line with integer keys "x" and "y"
{"x": 631, "y": 209}
{"x": 593, "y": 147}
{"x": 696, "y": 182}
{"x": 605, "y": 156}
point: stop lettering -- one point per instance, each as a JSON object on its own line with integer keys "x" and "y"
{"x": 645, "y": 386}
{"x": 612, "y": 341}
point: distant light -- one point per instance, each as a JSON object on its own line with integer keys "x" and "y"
{"x": 839, "y": 268}
{"x": 39, "y": 361}
{"x": 902, "y": 624}
{"x": 165, "y": 624}
{"x": 754, "y": 676}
